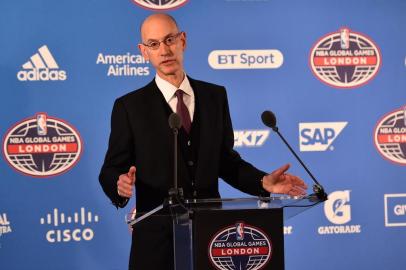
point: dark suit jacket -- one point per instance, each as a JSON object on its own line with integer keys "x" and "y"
{"x": 140, "y": 136}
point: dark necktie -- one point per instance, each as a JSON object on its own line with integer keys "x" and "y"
{"x": 182, "y": 111}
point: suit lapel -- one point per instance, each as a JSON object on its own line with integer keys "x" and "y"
{"x": 157, "y": 111}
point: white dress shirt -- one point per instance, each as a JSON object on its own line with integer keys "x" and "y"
{"x": 168, "y": 90}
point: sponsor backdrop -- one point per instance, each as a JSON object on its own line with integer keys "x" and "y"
{"x": 333, "y": 72}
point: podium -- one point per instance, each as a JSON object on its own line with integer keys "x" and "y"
{"x": 238, "y": 233}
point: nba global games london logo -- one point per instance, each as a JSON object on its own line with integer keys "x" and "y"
{"x": 160, "y": 5}
{"x": 240, "y": 246}
{"x": 42, "y": 146}
{"x": 390, "y": 136}
{"x": 345, "y": 59}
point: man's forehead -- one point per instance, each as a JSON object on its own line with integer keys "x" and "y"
{"x": 158, "y": 27}
{"x": 157, "y": 35}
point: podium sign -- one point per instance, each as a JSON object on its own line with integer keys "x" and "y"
{"x": 238, "y": 239}
{"x": 227, "y": 234}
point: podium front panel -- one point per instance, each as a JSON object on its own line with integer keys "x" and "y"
{"x": 238, "y": 239}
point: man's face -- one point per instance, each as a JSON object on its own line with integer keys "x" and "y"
{"x": 167, "y": 60}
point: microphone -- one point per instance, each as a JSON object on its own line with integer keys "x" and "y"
{"x": 269, "y": 120}
{"x": 175, "y": 123}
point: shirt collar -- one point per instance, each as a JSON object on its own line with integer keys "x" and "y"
{"x": 168, "y": 89}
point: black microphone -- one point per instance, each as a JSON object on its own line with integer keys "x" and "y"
{"x": 175, "y": 123}
{"x": 269, "y": 120}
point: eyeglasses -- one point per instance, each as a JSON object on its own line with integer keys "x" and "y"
{"x": 168, "y": 41}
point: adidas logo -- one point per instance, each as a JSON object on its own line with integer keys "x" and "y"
{"x": 41, "y": 67}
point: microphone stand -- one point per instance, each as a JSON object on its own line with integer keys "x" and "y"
{"x": 175, "y": 193}
{"x": 269, "y": 119}
{"x": 317, "y": 188}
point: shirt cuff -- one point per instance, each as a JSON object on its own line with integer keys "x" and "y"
{"x": 262, "y": 191}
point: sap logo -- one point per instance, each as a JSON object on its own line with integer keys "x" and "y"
{"x": 319, "y": 136}
{"x": 250, "y": 138}
{"x": 245, "y": 59}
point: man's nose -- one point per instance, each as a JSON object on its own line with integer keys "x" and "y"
{"x": 164, "y": 49}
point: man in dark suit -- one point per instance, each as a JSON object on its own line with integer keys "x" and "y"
{"x": 140, "y": 151}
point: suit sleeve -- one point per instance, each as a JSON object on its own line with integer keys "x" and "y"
{"x": 120, "y": 156}
{"x": 233, "y": 169}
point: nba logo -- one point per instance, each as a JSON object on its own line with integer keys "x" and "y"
{"x": 345, "y": 38}
{"x": 42, "y": 124}
{"x": 239, "y": 231}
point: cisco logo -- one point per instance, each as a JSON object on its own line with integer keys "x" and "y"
{"x": 245, "y": 59}
{"x": 250, "y": 138}
{"x": 319, "y": 136}
{"x": 67, "y": 228}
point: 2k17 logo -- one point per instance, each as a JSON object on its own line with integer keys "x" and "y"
{"x": 319, "y": 136}
{"x": 250, "y": 138}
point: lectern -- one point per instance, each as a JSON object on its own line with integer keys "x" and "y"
{"x": 226, "y": 234}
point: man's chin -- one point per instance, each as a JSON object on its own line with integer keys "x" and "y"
{"x": 168, "y": 71}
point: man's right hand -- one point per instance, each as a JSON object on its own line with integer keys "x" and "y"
{"x": 125, "y": 183}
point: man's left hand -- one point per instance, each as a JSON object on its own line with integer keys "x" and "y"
{"x": 284, "y": 183}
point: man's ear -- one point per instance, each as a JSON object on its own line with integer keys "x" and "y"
{"x": 183, "y": 40}
{"x": 143, "y": 51}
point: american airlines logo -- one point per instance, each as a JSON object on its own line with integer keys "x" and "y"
{"x": 42, "y": 66}
{"x": 319, "y": 136}
{"x": 250, "y": 138}
{"x": 68, "y": 228}
{"x": 120, "y": 65}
